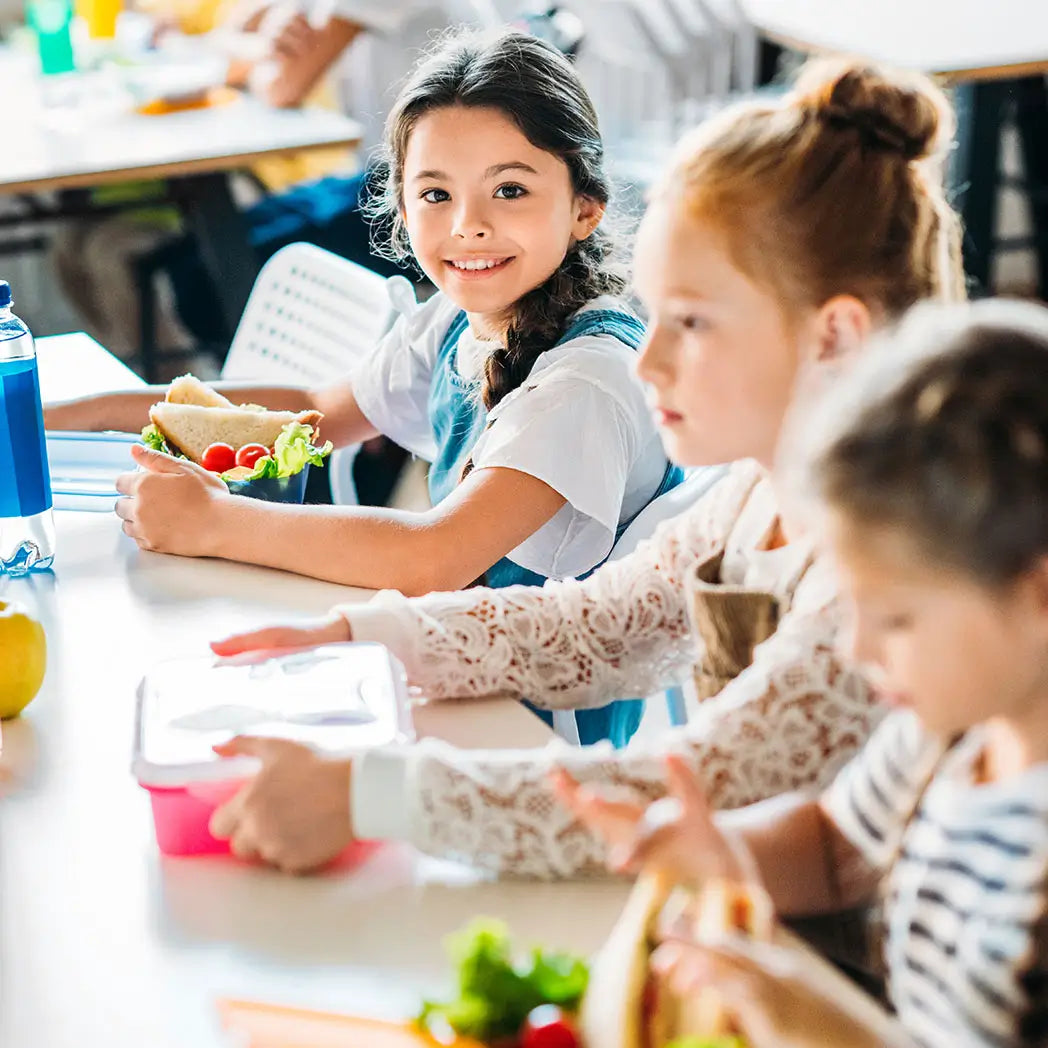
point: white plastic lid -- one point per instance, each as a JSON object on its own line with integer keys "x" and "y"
{"x": 339, "y": 699}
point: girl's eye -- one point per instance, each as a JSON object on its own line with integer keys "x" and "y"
{"x": 693, "y": 322}
{"x": 510, "y": 191}
{"x": 435, "y": 196}
{"x": 896, "y": 623}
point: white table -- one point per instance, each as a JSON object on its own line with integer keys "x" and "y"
{"x": 193, "y": 150}
{"x": 961, "y": 39}
{"x": 129, "y": 146}
{"x": 105, "y": 943}
{"x": 996, "y": 55}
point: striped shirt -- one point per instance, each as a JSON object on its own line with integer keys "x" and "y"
{"x": 966, "y": 879}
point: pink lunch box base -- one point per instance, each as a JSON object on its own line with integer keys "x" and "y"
{"x": 181, "y": 815}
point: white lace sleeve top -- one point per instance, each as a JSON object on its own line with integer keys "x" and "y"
{"x": 789, "y": 720}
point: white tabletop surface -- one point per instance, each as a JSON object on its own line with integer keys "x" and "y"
{"x": 105, "y": 943}
{"x": 125, "y": 146}
{"x": 961, "y": 37}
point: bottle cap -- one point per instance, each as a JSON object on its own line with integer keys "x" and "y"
{"x": 5, "y": 294}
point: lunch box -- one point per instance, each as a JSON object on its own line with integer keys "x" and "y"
{"x": 339, "y": 699}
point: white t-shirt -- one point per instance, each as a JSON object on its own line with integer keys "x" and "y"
{"x": 372, "y": 70}
{"x": 579, "y": 423}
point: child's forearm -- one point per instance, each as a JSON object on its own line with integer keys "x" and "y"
{"x": 373, "y": 548}
{"x": 128, "y": 411}
{"x": 805, "y": 862}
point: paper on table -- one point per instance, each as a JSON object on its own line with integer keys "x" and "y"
{"x": 274, "y": 1026}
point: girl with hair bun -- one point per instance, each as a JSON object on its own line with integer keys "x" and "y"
{"x": 781, "y": 236}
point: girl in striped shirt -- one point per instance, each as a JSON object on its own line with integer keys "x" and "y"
{"x": 930, "y": 471}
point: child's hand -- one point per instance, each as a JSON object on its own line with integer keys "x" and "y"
{"x": 294, "y": 814}
{"x": 331, "y": 630}
{"x": 678, "y": 834}
{"x": 170, "y": 506}
{"x": 775, "y": 993}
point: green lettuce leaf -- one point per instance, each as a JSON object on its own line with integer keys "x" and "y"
{"x": 153, "y": 438}
{"x": 495, "y": 994}
{"x": 293, "y": 450}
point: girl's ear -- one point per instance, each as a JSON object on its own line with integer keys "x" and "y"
{"x": 842, "y": 326}
{"x": 588, "y": 215}
{"x": 1036, "y": 584}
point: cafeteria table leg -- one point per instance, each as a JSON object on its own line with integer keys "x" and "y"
{"x": 222, "y": 233}
{"x": 974, "y": 172}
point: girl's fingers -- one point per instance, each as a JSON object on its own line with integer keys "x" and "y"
{"x": 565, "y": 788}
{"x": 654, "y": 847}
{"x": 270, "y": 638}
{"x": 685, "y": 787}
{"x": 242, "y": 845}
{"x": 274, "y": 638}
{"x": 614, "y": 821}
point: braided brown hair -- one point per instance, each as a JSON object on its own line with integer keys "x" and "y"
{"x": 944, "y": 434}
{"x": 836, "y": 189}
{"x": 538, "y": 89}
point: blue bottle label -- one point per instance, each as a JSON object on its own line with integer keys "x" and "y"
{"x": 25, "y": 481}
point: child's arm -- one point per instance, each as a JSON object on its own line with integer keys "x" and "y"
{"x": 303, "y": 50}
{"x": 790, "y": 844}
{"x": 625, "y": 630}
{"x": 176, "y": 507}
{"x": 128, "y": 411}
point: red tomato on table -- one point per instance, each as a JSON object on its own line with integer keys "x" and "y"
{"x": 218, "y": 458}
{"x": 249, "y": 454}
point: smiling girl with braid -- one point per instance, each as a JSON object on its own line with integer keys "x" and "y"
{"x": 515, "y": 380}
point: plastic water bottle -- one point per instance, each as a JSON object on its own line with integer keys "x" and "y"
{"x": 27, "y": 526}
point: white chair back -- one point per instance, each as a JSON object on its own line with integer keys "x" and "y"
{"x": 310, "y": 317}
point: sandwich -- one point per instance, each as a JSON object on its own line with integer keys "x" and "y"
{"x": 240, "y": 442}
{"x": 627, "y": 1005}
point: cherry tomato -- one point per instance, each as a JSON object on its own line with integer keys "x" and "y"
{"x": 549, "y": 1027}
{"x": 218, "y": 458}
{"x": 249, "y": 454}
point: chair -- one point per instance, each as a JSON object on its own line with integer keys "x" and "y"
{"x": 310, "y": 316}
{"x": 694, "y": 486}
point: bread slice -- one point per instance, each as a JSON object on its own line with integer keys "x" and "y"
{"x": 192, "y": 429}
{"x": 188, "y": 389}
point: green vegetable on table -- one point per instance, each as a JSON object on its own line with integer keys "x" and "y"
{"x": 495, "y": 993}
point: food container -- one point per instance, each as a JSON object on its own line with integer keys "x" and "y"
{"x": 339, "y": 699}
{"x": 273, "y": 489}
{"x": 84, "y": 468}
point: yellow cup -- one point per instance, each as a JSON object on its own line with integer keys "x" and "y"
{"x": 100, "y": 16}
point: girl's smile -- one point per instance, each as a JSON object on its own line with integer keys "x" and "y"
{"x": 477, "y": 268}
{"x": 490, "y": 215}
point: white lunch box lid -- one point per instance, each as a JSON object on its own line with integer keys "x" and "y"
{"x": 338, "y": 699}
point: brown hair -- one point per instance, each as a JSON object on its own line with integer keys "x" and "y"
{"x": 944, "y": 435}
{"x": 536, "y": 87}
{"x": 837, "y": 189}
